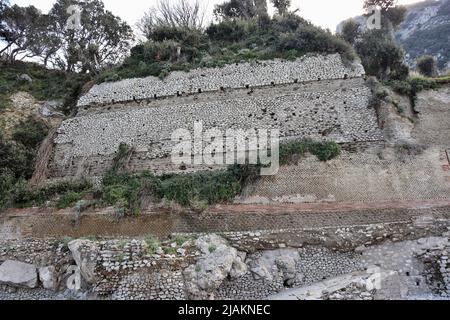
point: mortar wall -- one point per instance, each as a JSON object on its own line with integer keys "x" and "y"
{"x": 335, "y": 110}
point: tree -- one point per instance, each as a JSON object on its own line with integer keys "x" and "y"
{"x": 3, "y": 5}
{"x": 21, "y": 31}
{"x": 351, "y": 31}
{"x": 427, "y": 66}
{"x": 384, "y": 5}
{"x": 261, "y": 8}
{"x": 183, "y": 14}
{"x": 102, "y": 39}
{"x": 391, "y": 14}
{"x": 232, "y": 9}
{"x": 282, "y": 6}
{"x": 396, "y": 15}
{"x": 381, "y": 56}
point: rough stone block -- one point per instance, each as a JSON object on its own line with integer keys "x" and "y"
{"x": 18, "y": 274}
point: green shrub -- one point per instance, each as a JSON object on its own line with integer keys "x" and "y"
{"x": 381, "y": 56}
{"x": 212, "y": 187}
{"x": 324, "y": 151}
{"x": 170, "y": 250}
{"x": 26, "y": 196}
{"x": 312, "y": 39}
{"x": 412, "y": 86}
{"x": 30, "y": 133}
{"x": 230, "y": 30}
{"x": 124, "y": 190}
{"x": 16, "y": 158}
{"x": 153, "y": 244}
{"x": 229, "y": 41}
{"x": 47, "y": 84}
{"x": 180, "y": 240}
{"x": 68, "y": 200}
{"x": 7, "y": 183}
{"x": 293, "y": 148}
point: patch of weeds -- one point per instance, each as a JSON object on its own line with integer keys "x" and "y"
{"x": 398, "y": 107}
{"x": 324, "y": 151}
{"x": 70, "y": 191}
{"x": 90, "y": 238}
{"x": 412, "y": 87}
{"x": 125, "y": 191}
{"x": 64, "y": 243}
{"x": 170, "y": 250}
{"x": 68, "y": 200}
{"x": 120, "y": 257}
{"x": 119, "y": 212}
{"x": 212, "y": 248}
{"x": 410, "y": 149}
{"x": 180, "y": 240}
{"x": 153, "y": 244}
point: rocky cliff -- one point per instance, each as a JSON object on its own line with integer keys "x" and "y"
{"x": 426, "y": 30}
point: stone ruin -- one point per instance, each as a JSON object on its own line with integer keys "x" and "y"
{"x": 393, "y": 252}
{"x": 316, "y": 97}
{"x": 378, "y": 261}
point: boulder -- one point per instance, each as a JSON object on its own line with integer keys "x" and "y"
{"x": 25, "y": 77}
{"x": 271, "y": 263}
{"x": 18, "y": 274}
{"x": 47, "y": 275}
{"x": 286, "y": 264}
{"x": 51, "y": 109}
{"x": 239, "y": 267}
{"x": 211, "y": 269}
{"x": 261, "y": 272}
{"x": 85, "y": 252}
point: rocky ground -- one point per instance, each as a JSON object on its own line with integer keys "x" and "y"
{"x": 210, "y": 268}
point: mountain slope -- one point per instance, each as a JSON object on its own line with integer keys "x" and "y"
{"x": 426, "y": 30}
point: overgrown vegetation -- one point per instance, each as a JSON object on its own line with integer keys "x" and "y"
{"x": 68, "y": 192}
{"x": 45, "y": 84}
{"x": 69, "y": 199}
{"x": 126, "y": 191}
{"x": 412, "y": 86}
{"x": 228, "y": 41}
{"x": 153, "y": 244}
{"x": 17, "y": 157}
{"x": 380, "y": 55}
{"x": 427, "y": 66}
{"x": 324, "y": 151}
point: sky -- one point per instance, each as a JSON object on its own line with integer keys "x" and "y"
{"x": 325, "y": 13}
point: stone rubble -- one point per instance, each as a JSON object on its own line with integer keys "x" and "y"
{"x": 209, "y": 267}
{"x": 18, "y": 274}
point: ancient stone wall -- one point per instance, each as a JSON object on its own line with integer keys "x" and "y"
{"x": 252, "y": 74}
{"x": 336, "y": 110}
